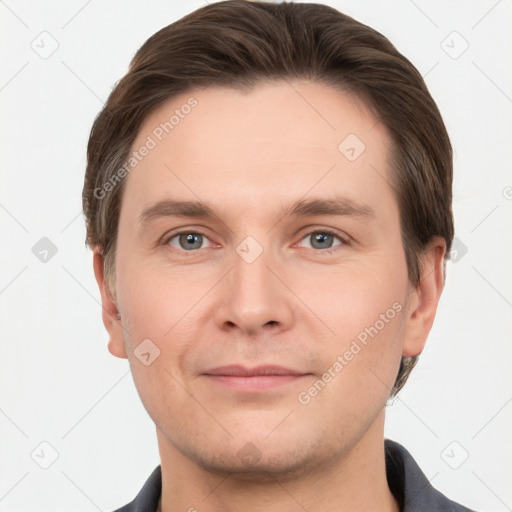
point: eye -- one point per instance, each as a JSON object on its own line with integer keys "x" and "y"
{"x": 322, "y": 239}
{"x": 187, "y": 240}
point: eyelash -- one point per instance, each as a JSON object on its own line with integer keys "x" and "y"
{"x": 324, "y": 231}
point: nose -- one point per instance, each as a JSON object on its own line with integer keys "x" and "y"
{"x": 255, "y": 299}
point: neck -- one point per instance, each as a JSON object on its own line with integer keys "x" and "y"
{"x": 355, "y": 482}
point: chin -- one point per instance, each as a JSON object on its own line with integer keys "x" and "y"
{"x": 265, "y": 462}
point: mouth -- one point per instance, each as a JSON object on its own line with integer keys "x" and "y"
{"x": 259, "y": 378}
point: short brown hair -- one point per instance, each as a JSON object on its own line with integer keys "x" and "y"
{"x": 238, "y": 44}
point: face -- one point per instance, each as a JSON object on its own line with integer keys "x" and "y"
{"x": 261, "y": 277}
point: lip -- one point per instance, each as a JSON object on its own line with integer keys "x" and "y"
{"x": 258, "y": 378}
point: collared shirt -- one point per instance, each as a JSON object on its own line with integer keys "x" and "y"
{"x": 406, "y": 481}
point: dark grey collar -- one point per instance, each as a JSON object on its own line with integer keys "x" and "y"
{"x": 410, "y": 486}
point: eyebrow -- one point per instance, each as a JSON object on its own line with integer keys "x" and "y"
{"x": 301, "y": 208}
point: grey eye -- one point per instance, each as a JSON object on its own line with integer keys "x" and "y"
{"x": 187, "y": 241}
{"x": 321, "y": 240}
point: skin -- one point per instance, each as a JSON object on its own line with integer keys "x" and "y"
{"x": 249, "y": 156}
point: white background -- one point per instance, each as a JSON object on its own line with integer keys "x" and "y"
{"x": 59, "y": 384}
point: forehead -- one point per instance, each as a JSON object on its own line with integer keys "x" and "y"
{"x": 278, "y": 139}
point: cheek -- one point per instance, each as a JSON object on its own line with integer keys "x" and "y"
{"x": 163, "y": 305}
{"x": 364, "y": 308}
{"x": 356, "y": 296}
{"x": 160, "y": 308}
{"x": 143, "y": 290}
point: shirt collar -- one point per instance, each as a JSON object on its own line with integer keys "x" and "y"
{"x": 410, "y": 486}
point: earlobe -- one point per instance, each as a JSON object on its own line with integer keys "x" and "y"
{"x": 110, "y": 317}
{"x": 424, "y": 298}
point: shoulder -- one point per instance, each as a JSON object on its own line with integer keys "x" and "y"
{"x": 148, "y": 497}
{"x": 411, "y": 487}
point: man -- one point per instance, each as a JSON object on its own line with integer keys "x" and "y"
{"x": 268, "y": 198}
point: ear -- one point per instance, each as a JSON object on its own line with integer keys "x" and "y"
{"x": 109, "y": 308}
{"x": 424, "y": 298}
